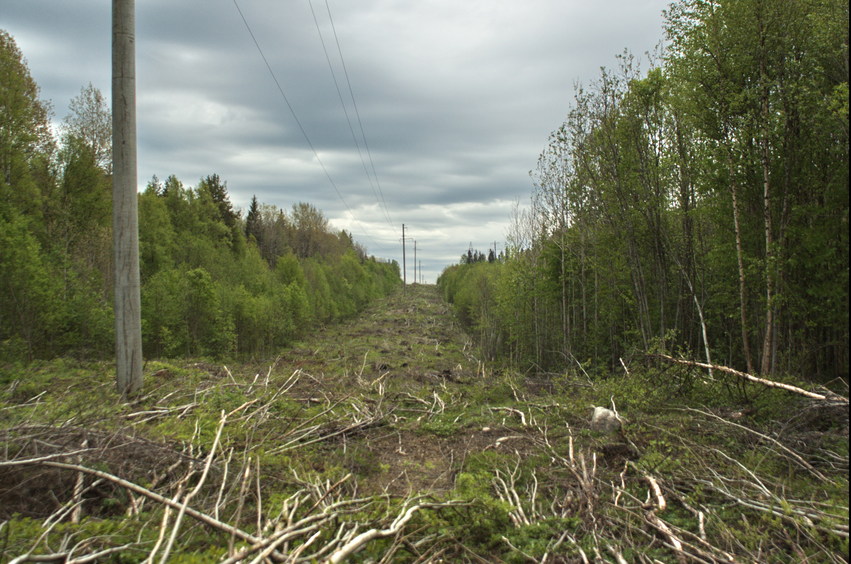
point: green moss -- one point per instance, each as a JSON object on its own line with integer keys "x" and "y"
{"x": 537, "y": 539}
{"x": 442, "y": 426}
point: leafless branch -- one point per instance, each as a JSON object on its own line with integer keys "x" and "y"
{"x": 763, "y": 381}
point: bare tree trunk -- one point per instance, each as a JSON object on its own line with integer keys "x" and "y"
{"x": 565, "y": 329}
{"x": 767, "y": 364}
{"x": 740, "y": 258}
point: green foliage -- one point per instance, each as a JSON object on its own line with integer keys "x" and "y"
{"x": 444, "y": 425}
{"x": 28, "y": 291}
{"x": 535, "y": 539}
{"x": 707, "y": 196}
{"x": 225, "y": 298}
{"x": 472, "y": 288}
{"x": 213, "y": 283}
{"x": 157, "y": 239}
{"x": 25, "y": 139}
{"x": 486, "y": 517}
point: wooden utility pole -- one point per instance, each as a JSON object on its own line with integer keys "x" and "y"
{"x": 125, "y": 221}
{"x": 404, "y": 268}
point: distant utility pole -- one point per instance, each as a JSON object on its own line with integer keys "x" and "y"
{"x": 125, "y": 220}
{"x": 404, "y": 267}
{"x": 415, "y": 261}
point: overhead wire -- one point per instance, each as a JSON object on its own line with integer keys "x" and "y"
{"x": 369, "y": 177}
{"x": 357, "y": 112}
{"x": 298, "y": 122}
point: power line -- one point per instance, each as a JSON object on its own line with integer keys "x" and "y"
{"x": 357, "y": 113}
{"x": 298, "y": 122}
{"x": 345, "y": 110}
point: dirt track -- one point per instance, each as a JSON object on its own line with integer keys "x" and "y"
{"x": 410, "y": 351}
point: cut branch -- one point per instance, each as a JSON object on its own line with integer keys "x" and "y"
{"x": 203, "y": 517}
{"x": 751, "y": 378}
{"x": 356, "y": 543}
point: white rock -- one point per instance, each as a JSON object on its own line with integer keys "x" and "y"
{"x": 604, "y": 420}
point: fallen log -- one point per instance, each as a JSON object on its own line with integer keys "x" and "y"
{"x": 751, "y": 378}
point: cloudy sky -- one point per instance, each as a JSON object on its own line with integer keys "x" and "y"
{"x": 455, "y": 99}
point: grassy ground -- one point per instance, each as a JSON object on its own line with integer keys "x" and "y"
{"x": 385, "y": 439}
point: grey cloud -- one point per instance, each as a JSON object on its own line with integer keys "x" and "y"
{"x": 456, "y": 100}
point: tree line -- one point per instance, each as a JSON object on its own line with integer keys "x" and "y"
{"x": 700, "y": 207}
{"x": 214, "y": 282}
